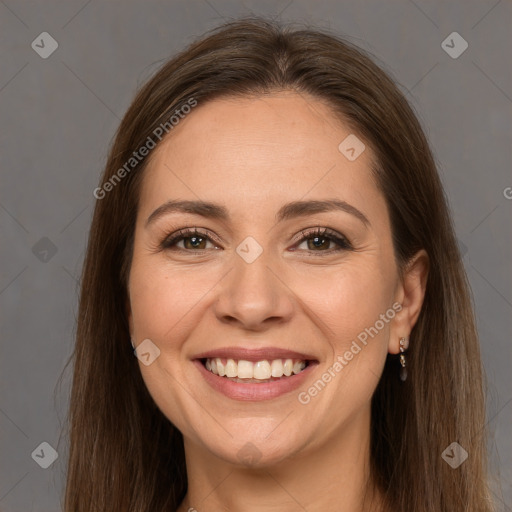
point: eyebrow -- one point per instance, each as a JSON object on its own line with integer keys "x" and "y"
{"x": 288, "y": 211}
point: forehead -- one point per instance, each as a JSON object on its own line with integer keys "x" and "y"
{"x": 254, "y": 151}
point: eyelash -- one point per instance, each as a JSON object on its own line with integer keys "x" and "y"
{"x": 343, "y": 243}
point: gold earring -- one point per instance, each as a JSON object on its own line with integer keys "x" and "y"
{"x": 404, "y": 345}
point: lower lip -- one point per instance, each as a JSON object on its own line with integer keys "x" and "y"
{"x": 254, "y": 391}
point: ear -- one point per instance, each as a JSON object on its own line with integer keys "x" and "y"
{"x": 410, "y": 293}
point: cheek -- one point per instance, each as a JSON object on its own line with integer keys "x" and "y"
{"x": 347, "y": 304}
{"x": 161, "y": 298}
{"x": 348, "y": 300}
{"x": 166, "y": 306}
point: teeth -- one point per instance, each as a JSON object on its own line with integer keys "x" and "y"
{"x": 276, "y": 368}
{"x": 245, "y": 370}
{"x": 298, "y": 366}
{"x": 231, "y": 368}
{"x": 220, "y": 368}
{"x": 261, "y": 370}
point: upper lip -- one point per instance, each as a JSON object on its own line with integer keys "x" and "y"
{"x": 254, "y": 354}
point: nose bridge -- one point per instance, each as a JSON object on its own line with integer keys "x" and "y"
{"x": 252, "y": 291}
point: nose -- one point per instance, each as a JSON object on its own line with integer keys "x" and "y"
{"x": 254, "y": 295}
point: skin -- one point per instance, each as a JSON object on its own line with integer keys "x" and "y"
{"x": 253, "y": 155}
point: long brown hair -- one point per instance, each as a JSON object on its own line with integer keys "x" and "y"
{"x": 124, "y": 454}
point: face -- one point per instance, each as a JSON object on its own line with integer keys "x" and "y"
{"x": 257, "y": 281}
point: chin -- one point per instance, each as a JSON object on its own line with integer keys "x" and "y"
{"x": 255, "y": 455}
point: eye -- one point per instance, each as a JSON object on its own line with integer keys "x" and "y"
{"x": 192, "y": 239}
{"x": 317, "y": 240}
{"x": 320, "y": 239}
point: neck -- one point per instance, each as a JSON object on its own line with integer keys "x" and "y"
{"x": 331, "y": 476}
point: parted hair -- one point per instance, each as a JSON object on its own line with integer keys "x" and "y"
{"x": 124, "y": 454}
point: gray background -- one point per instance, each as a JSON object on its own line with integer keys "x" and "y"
{"x": 58, "y": 118}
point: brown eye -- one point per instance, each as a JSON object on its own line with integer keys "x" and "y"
{"x": 193, "y": 240}
{"x": 318, "y": 242}
{"x": 321, "y": 239}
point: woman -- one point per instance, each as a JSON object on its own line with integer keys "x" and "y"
{"x": 272, "y": 237}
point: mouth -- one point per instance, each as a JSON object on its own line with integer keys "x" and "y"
{"x": 259, "y": 372}
{"x": 254, "y": 375}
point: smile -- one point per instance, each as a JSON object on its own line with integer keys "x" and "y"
{"x": 255, "y": 380}
{"x": 259, "y": 371}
